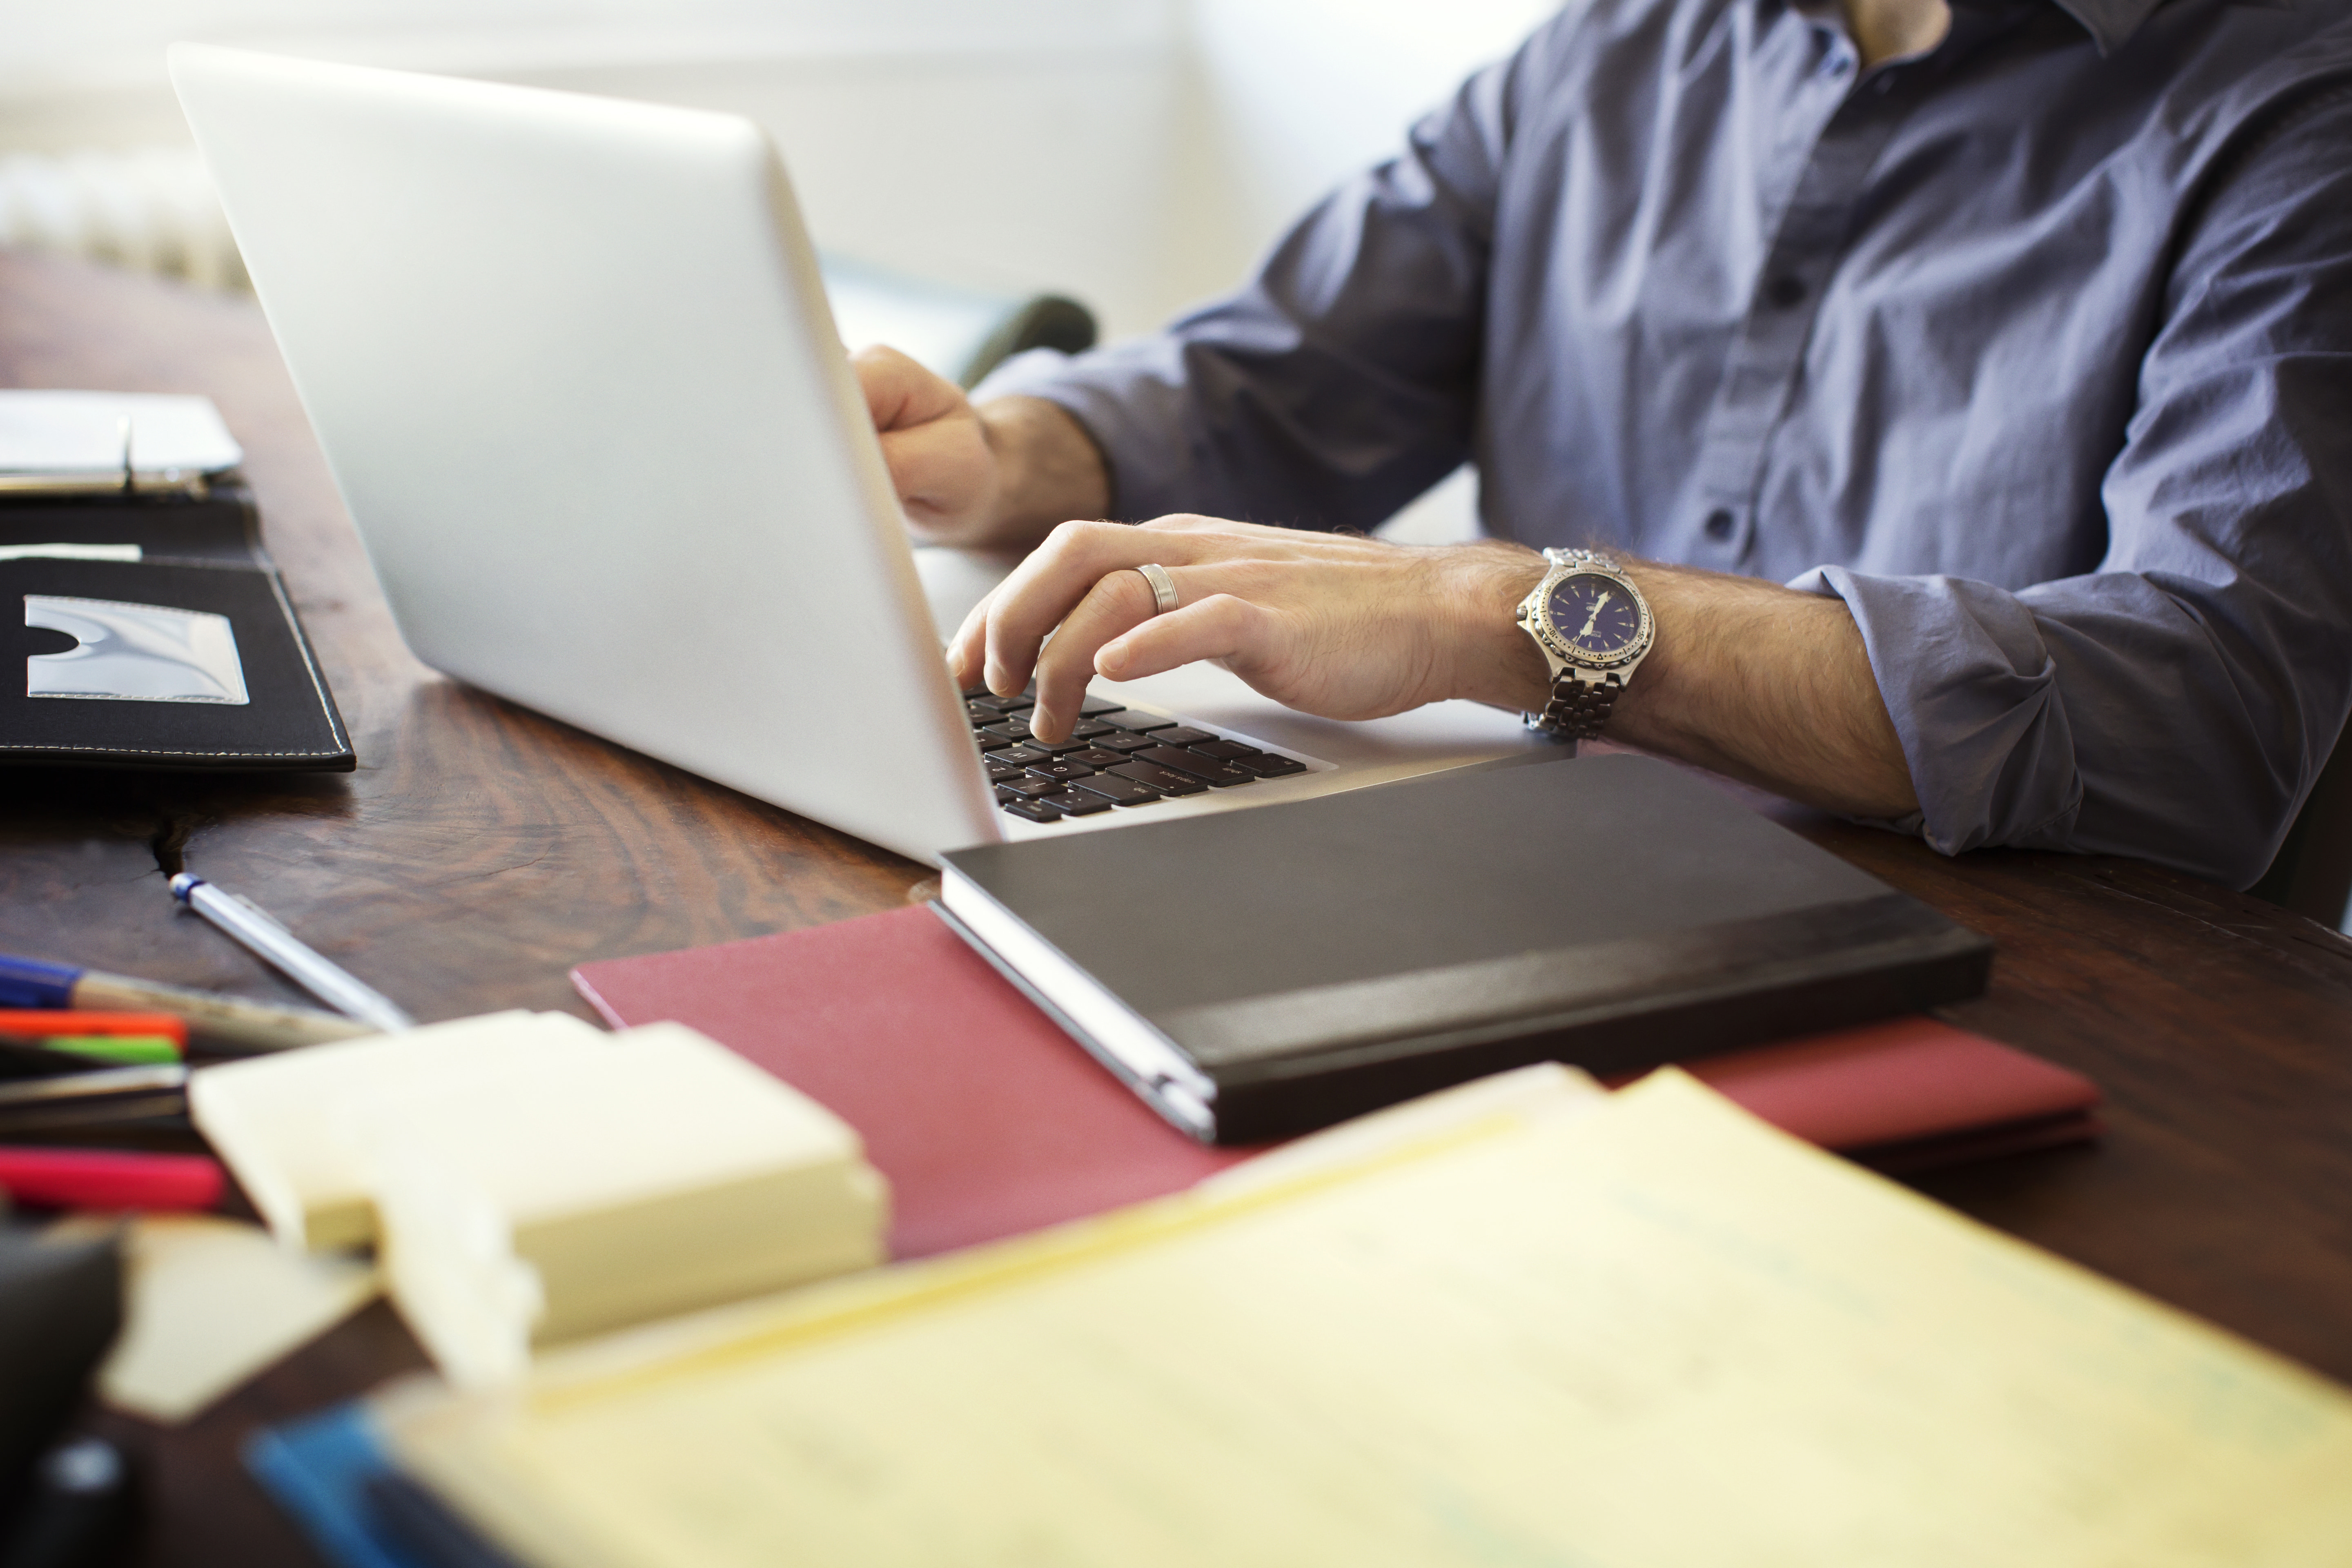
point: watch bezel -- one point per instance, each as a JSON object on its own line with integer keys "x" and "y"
{"x": 1537, "y": 620}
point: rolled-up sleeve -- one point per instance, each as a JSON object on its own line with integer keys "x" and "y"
{"x": 1342, "y": 380}
{"x": 2177, "y": 703}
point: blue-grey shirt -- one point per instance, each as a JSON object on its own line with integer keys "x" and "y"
{"x": 2036, "y": 349}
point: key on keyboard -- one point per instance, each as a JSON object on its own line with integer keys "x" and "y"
{"x": 1208, "y": 770}
{"x": 1120, "y": 790}
{"x": 1128, "y": 719}
{"x": 1116, "y": 756}
{"x": 1164, "y": 779}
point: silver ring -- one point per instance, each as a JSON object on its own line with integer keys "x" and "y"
{"x": 1163, "y": 588}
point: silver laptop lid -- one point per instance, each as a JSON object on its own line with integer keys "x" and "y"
{"x": 574, "y": 370}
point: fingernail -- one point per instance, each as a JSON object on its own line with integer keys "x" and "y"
{"x": 1111, "y": 659}
{"x": 1043, "y": 722}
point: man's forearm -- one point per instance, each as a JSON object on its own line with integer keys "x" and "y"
{"x": 1749, "y": 678}
{"x": 1769, "y": 685}
{"x": 1050, "y": 471}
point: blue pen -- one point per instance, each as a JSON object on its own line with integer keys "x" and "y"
{"x": 223, "y": 1021}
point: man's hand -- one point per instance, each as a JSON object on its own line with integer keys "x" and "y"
{"x": 993, "y": 477}
{"x": 1337, "y": 625}
{"x": 947, "y": 476}
{"x": 1746, "y": 677}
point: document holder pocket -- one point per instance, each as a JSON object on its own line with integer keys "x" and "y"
{"x": 115, "y": 653}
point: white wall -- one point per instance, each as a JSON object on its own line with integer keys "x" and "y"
{"x": 1136, "y": 152}
{"x": 1300, "y": 93}
{"x": 984, "y": 170}
{"x": 1295, "y": 95}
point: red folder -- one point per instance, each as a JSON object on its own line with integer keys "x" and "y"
{"x": 990, "y": 1120}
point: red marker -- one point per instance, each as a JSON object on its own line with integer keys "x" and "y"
{"x": 109, "y": 1179}
{"x": 65, "y": 1021}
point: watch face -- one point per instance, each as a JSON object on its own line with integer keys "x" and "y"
{"x": 1596, "y": 617}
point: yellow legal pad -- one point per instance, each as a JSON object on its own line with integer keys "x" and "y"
{"x": 1655, "y": 1332}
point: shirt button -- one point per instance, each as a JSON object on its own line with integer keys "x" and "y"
{"x": 1718, "y": 524}
{"x": 1785, "y": 290}
{"x": 1883, "y": 85}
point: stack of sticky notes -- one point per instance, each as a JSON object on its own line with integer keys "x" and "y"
{"x": 529, "y": 1178}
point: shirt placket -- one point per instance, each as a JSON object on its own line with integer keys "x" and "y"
{"x": 1815, "y": 177}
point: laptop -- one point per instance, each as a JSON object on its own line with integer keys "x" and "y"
{"x": 572, "y": 365}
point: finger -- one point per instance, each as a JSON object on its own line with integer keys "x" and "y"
{"x": 1220, "y": 626}
{"x": 966, "y": 647}
{"x": 1114, "y": 604}
{"x": 1048, "y": 585}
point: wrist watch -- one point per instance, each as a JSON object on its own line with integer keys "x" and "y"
{"x": 1594, "y": 628}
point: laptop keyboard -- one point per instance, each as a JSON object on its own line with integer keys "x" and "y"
{"x": 1114, "y": 757}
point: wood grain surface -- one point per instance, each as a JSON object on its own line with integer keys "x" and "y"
{"x": 481, "y": 851}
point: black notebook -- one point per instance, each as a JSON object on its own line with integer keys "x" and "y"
{"x": 1258, "y": 973}
{"x": 152, "y": 631}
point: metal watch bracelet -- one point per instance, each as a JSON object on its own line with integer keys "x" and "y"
{"x": 1577, "y": 710}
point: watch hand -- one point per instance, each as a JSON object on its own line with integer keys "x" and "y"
{"x": 1591, "y": 619}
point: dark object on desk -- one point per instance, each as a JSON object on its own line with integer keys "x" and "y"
{"x": 60, "y": 1306}
{"x": 21, "y": 1057}
{"x": 146, "y": 1099}
{"x": 1261, "y": 973}
{"x": 960, "y": 333}
{"x": 2312, "y": 872}
{"x": 76, "y": 1510}
{"x": 156, "y": 633}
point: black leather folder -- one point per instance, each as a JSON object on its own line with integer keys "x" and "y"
{"x": 189, "y": 655}
{"x": 1254, "y": 974}
{"x": 60, "y": 1306}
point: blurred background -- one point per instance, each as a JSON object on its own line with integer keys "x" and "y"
{"x": 1135, "y": 155}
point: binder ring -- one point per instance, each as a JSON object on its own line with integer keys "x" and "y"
{"x": 1163, "y": 588}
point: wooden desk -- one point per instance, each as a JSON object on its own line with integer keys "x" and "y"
{"x": 481, "y": 851}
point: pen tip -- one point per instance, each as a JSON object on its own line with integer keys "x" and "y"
{"x": 184, "y": 884}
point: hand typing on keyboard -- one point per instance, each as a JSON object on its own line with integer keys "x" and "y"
{"x": 1337, "y": 625}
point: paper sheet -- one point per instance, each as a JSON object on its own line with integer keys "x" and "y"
{"x": 212, "y": 1302}
{"x": 1658, "y": 1334}
{"x": 81, "y": 433}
